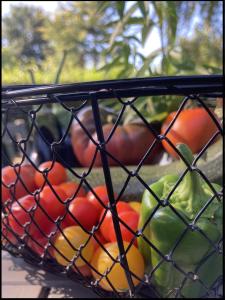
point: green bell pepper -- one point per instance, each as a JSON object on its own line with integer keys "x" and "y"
{"x": 193, "y": 254}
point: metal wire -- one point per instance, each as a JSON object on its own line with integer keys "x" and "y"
{"x": 29, "y": 100}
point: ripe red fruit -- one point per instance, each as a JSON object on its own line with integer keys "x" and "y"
{"x": 25, "y": 178}
{"x": 104, "y": 228}
{"x": 70, "y": 187}
{"x": 84, "y": 211}
{"x": 56, "y": 175}
{"x": 102, "y": 193}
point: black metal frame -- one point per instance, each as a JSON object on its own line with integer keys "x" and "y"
{"x": 193, "y": 88}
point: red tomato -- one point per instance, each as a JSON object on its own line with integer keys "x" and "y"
{"x": 34, "y": 244}
{"x": 104, "y": 228}
{"x": 39, "y": 243}
{"x": 48, "y": 206}
{"x": 41, "y": 224}
{"x": 50, "y": 202}
{"x": 56, "y": 175}
{"x": 193, "y": 127}
{"x": 7, "y": 234}
{"x": 9, "y": 176}
{"x": 70, "y": 187}
{"x": 131, "y": 219}
{"x": 5, "y": 194}
{"x": 101, "y": 191}
{"x": 50, "y": 209}
{"x": 19, "y": 215}
{"x": 64, "y": 224}
{"x": 123, "y": 206}
{"x": 84, "y": 211}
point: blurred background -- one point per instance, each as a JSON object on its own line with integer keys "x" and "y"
{"x": 74, "y": 41}
{"x": 45, "y": 42}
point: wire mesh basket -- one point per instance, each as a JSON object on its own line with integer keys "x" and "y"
{"x": 175, "y": 248}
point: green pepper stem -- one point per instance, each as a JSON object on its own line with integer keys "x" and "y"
{"x": 192, "y": 178}
{"x": 191, "y": 187}
{"x": 186, "y": 152}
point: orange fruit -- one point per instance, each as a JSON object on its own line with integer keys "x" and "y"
{"x": 77, "y": 237}
{"x": 136, "y": 206}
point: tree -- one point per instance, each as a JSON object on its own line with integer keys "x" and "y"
{"x": 22, "y": 34}
{"x": 180, "y": 24}
{"x": 203, "y": 45}
{"x": 112, "y": 34}
{"x": 80, "y": 29}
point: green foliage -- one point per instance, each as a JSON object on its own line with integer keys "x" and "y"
{"x": 85, "y": 31}
{"x": 22, "y": 32}
{"x": 47, "y": 74}
{"x": 173, "y": 20}
{"x": 111, "y": 34}
{"x": 94, "y": 40}
{"x": 8, "y": 60}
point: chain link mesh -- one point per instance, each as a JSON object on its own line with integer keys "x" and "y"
{"x": 29, "y": 102}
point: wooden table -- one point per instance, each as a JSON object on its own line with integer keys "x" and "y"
{"x": 21, "y": 280}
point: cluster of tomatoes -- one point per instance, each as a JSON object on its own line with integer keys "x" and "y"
{"x": 58, "y": 218}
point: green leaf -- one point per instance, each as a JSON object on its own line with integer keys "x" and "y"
{"x": 158, "y": 117}
{"x": 166, "y": 64}
{"x": 143, "y": 5}
{"x": 102, "y": 5}
{"x": 120, "y": 5}
{"x": 126, "y": 53}
{"x": 147, "y": 61}
{"x": 135, "y": 20}
{"x": 141, "y": 56}
{"x": 116, "y": 44}
{"x": 112, "y": 64}
{"x": 133, "y": 37}
{"x": 172, "y": 20}
{"x": 213, "y": 69}
{"x": 119, "y": 27}
{"x": 146, "y": 30}
{"x": 126, "y": 72}
{"x": 159, "y": 11}
{"x": 112, "y": 23}
{"x": 184, "y": 64}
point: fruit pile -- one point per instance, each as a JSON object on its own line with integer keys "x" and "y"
{"x": 58, "y": 219}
